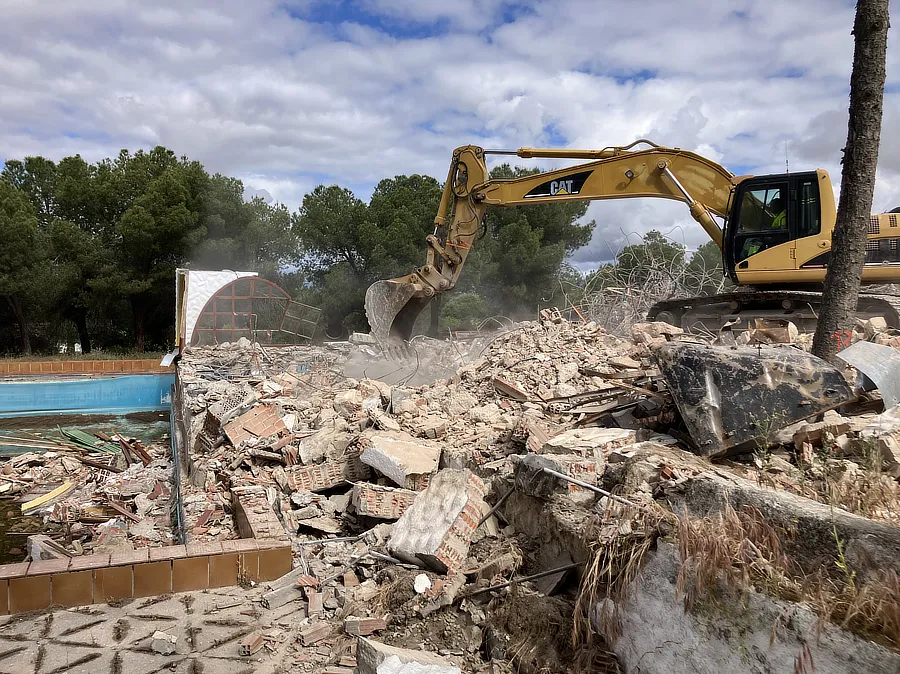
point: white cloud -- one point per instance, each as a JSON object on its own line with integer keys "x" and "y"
{"x": 261, "y": 91}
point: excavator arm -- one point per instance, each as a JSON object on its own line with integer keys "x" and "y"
{"x": 392, "y": 306}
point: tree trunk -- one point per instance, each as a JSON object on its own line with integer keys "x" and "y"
{"x": 16, "y": 306}
{"x": 139, "y": 310}
{"x": 848, "y": 247}
{"x": 83, "y": 335}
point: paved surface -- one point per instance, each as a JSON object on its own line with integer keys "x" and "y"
{"x": 103, "y": 639}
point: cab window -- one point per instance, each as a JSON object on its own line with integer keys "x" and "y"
{"x": 808, "y": 222}
{"x": 763, "y": 210}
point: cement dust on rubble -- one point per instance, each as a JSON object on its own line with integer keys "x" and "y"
{"x": 505, "y": 503}
{"x": 380, "y": 466}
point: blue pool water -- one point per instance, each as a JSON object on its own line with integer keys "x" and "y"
{"x": 106, "y": 395}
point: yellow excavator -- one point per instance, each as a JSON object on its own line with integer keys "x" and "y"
{"x": 776, "y": 237}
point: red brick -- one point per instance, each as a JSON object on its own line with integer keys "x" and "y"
{"x": 130, "y": 557}
{"x": 205, "y": 548}
{"x": 240, "y": 545}
{"x": 88, "y": 562}
{"x": 168, "y": 552}
{"x": 13, "y": 570}
{"x": 45, "y": 566}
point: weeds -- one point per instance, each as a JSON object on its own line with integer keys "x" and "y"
{"x": 736, "y": 552}
{"x": 618, "y": 553}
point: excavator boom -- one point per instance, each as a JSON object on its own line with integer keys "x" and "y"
{"x": 642, "y": 169}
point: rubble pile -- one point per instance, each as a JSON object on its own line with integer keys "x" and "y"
{"x": 92, "y": 495}
{"x": 432, "y": 524}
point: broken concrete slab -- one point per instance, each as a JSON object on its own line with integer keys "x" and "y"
{"x": 373, "y": 657}
{"x": 654, "y": 620}
{"x": 730, "y": 397}
{"x": 589, "y": 442}
{"x": 654, "y": 332}
{"x": 869, "y": 546}
{"x": 438, "y": 527}
{"x": 401, "y": 458}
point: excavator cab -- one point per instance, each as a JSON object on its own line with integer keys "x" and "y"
{"x": 768, "y": 212}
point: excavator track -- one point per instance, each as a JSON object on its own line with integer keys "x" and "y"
{"x": 739, "y": 308}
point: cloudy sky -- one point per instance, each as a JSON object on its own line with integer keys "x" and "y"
{"x": 287, "y": 95}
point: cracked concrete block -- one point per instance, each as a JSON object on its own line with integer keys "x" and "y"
{"x": 401, "y": 458}
{"x": 530, "y": 478}
{"x": 373, "y": 657}
{"x": 438, "y": 527}
{"x": 596, "y": 443}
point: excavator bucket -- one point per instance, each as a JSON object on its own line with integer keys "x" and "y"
{"x": 392, "y": 309}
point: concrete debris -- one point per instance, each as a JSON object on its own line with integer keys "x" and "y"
{"x": 531, "y": 479}
{"x": 400, "y": 458}
{"x": 373, "y": 657}
{"x": 654, "y": 333}
{"x": 596, "y": 443}
{"x": 163, "y": 643}
{"x": 421, "y": 583}
{"x": 372, "y": 480}
{"x": 41, "y": 546}
{"x": 438, "y": 527}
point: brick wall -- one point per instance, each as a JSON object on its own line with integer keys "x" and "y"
{"x": 325, "y": 475}
{"x": 94, "y": 579}
{"x": 383, "y": 502}
{"x": 15, "y": 367}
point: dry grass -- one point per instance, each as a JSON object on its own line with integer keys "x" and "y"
{"x": 737, "y": 551}
{"x": 620, "y": 540}
{"x": 734, "y": 551}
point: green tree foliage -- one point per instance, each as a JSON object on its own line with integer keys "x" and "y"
{"x": 463, "y": 311}
{"x": 516, "y": 266}
{"x": 347, "y": 244}
{"x": 21, "y": 254}
{"x": 110, "y": 235}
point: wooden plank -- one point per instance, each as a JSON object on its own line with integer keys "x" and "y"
{"x": 49, "y": 497}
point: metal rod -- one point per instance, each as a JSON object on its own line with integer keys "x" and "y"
{"x": 589, "y": 486}
{"x": 346, "y": 539}
{"x": 535, "y": 576}
{"x": 499, "y": 503}
{"x": 177, "y": 503}
{"x": 509, "y": 152}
